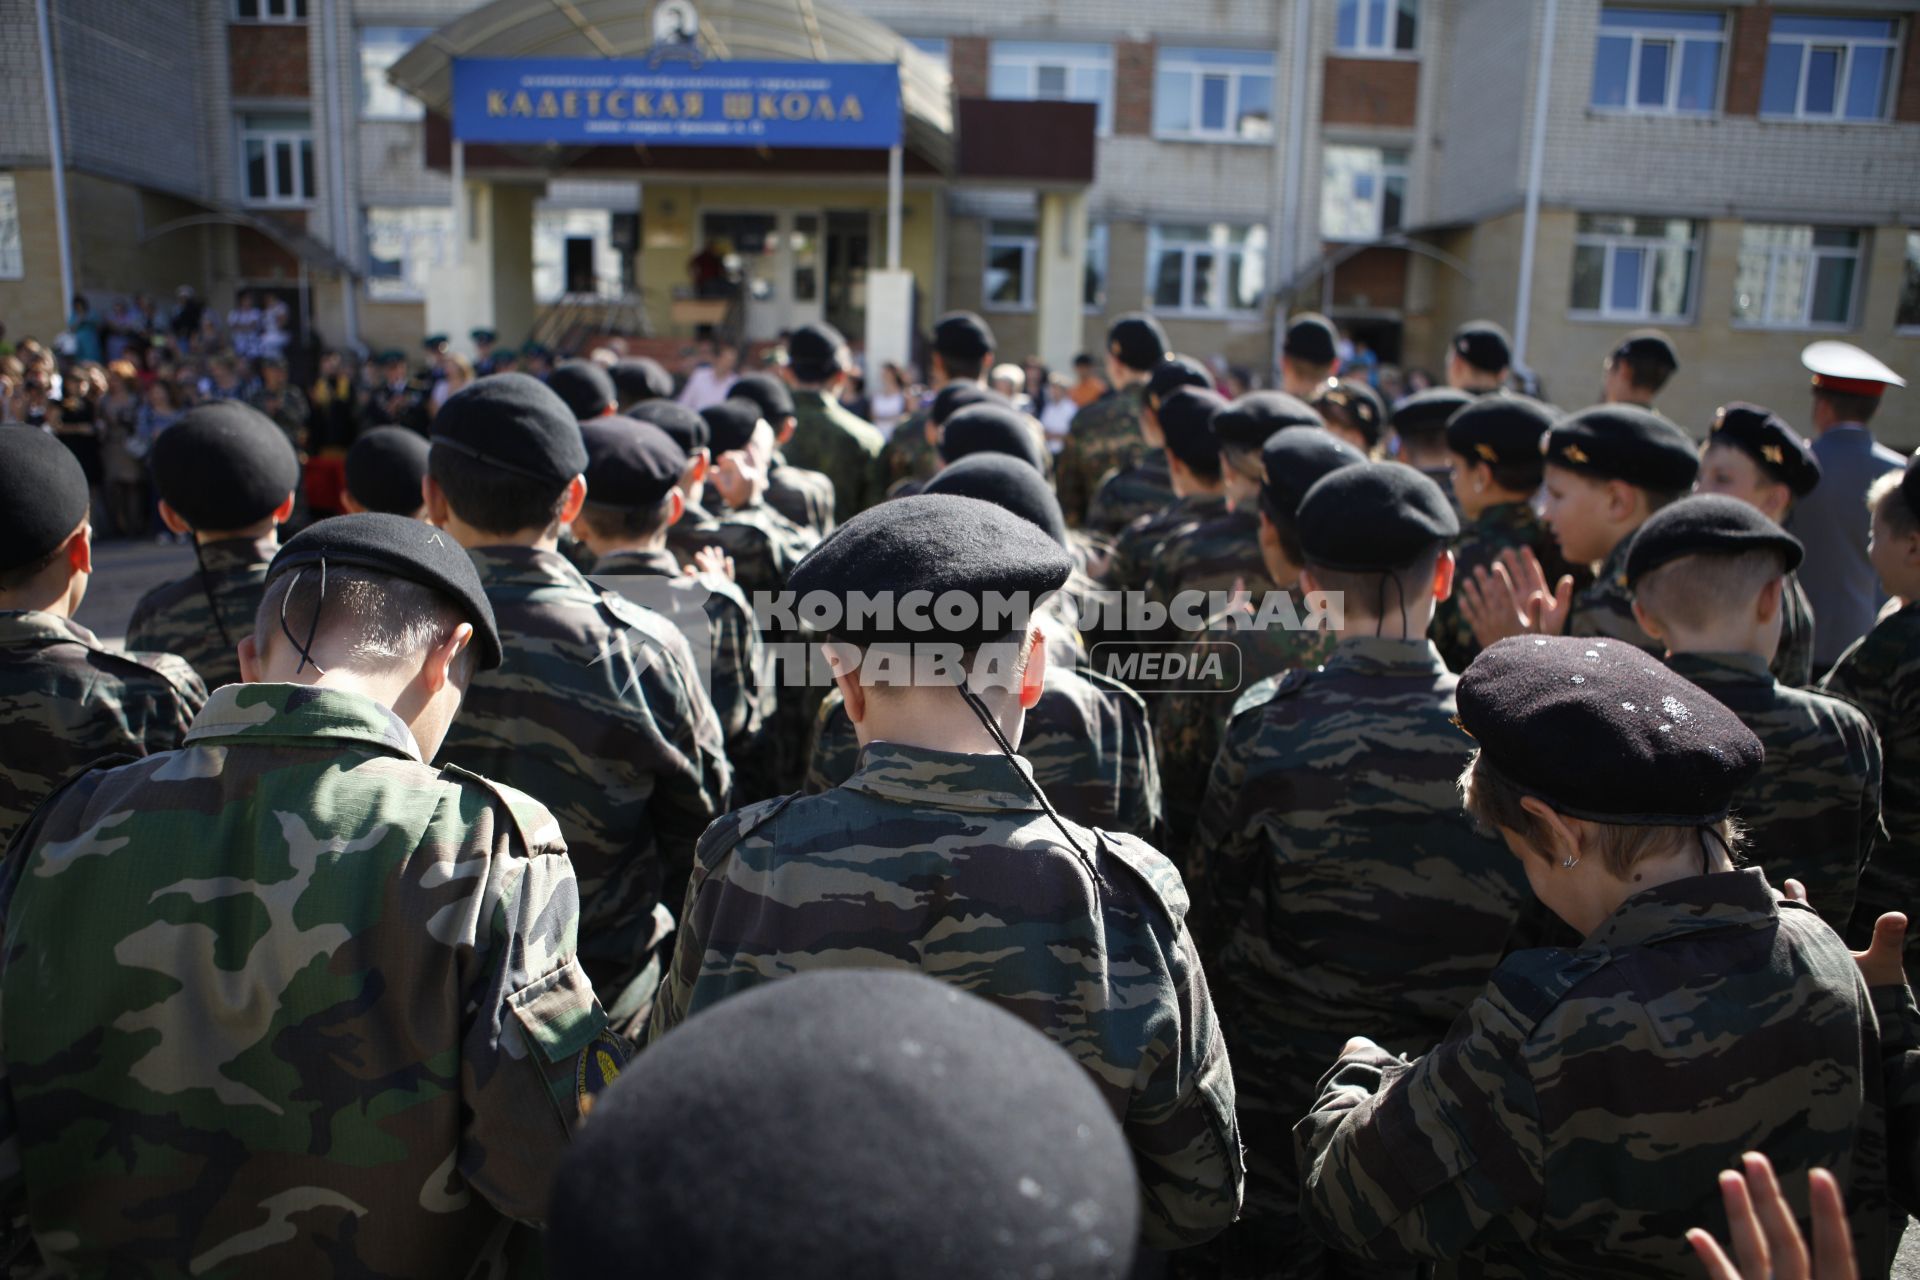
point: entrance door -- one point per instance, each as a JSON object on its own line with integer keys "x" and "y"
{"x": 849, "y": 252}
{"x": 774, "y": 260}
{"x": 579, "y": 264}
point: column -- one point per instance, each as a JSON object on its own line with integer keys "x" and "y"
{"x": 1060, "y": 293}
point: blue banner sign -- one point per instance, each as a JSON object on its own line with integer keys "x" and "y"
{"x": 714, "y": 104}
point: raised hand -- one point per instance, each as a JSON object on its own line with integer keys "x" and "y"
{"x": 1766, "y": 1243}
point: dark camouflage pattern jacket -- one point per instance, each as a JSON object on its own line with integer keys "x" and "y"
{"x": 1126, "y": 494}
{"x": 832, "y": 439}
{"x": 179, "y": 617}
{"x": 1501, "y": 527}
{"x": 804, "y": 497}
{"x": 1793, "y": 660}
{"x": 1105, "y": 435}
{"x": 1605, "y": 609}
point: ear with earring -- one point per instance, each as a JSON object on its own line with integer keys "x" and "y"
{"x": 1570, "y": 861}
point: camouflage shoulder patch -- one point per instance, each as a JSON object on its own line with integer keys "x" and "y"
{"x": 1107, "y": 684}
{"x": 636, "y": 617}
{"x": 1153, "y": 868}
{"x": 729, "y": 829}
{"x": 1532, "y": 983}
{"x": 598, "y": 1066}
{"x": 539, "y": 832}
{"x": 1261, "y": 692}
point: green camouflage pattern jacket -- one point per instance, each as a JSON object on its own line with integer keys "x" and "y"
{"x": 944, "y": 863}
{"x": 1502, "y": 527}
{"x": 830, "y": 438}
{"x": 179, "y": 617}
{"x": 70, "y": 700}
{"x": 1130, "y": 563}
{"x": 1880, "y": 673}
{"x": 1813, "y": 811}
{"x": 764, "y": 544}
{"x": 1605, "y": 609}
{"x": 1574, "y": 1122}
{"x": 1793, "y": 660}
{"x": 804, "y": 497}
{"x": 599, "y": 713}
{"x": 1349, "y": 892}
{"x": 1215, "y": 555}
{"x": 908, "y": 454}
{"x": 1126, "y": 494}
{"x": 289, "y": 1001}
{"x": 1104, "y": 436}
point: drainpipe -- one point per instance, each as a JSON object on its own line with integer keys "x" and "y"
{"x": 56, "y": 158}
{"x": 345, "y": 239}
{"x": 1530, "y": 228}
{"x": 1287, "y": 234}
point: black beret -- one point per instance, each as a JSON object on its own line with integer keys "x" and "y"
{"x": 688, "y": 429}
{"x": 814, "y": 350}
{"x": 1137, "y": 340}
{"x": 1600, "y": 730}
{"x": 1775, "y": 447}
{"x": 482, "y": 335}
{"x": 1648, "y": 346}
{"x": 433, "y": 340}
{"x": 1171, "y": 374}
{"x": 1484, "y": 345}
{"x": 1311, "y": 337}
{"x": 224, "y": 465}
{"x": 990, "y": 428}
{"x": 1006, "y": 482}
{"x": 844, "y": 1124}
{"x": 1186, "y": 417}
{"x": 1359, "y": 405}
{"x": 1625, "y": 442}
{"x": 1426, "y": 412}
{"x": 630, "y": 465}
{"x": 767, "y": 391}
{"x": 1374, "y": 517}
{"x": 1294, "y": 461}
{"x": 404, "y": 548}
{"x": 1499, "y": 429}
{"x": 392, "y": 355}
{"x": 638, "y": 378}
{"x": 537, "y": 351}
{"x": 586, "y": 387}
{"x": 384, "y": 470}
{"x": 1910, "y": 485}
{"x": 962, "y": 335}
{"x": 1707, "y": 524}
{"x": 1250, "y": 421}
{"x": 935, "y": 543}
{"x": 516, "y": 423}
{"x": 731, "y": 424}
{"x": 956, "y": 396}
{"x": 43, "y": 495}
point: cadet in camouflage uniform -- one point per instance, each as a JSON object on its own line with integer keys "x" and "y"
{"x": 763, "y": 553}
{"x": 633, "y": 498}
{"x": 1706, "y": 575}
{"x": 960, "y": 355}
{"x": 69, "y": 699}
{"x": 1349, "y": 894}
{"x": 1145, "y": 487}
{"x": 317, "y": 1009}
{"x": 1105, "y": 435}
{"x": 225, "y": 475}
{"x": 1753, "y": 455}
{"x": 598, "y": 709}
{"x": 829, "y": 437}
{"x": 1309, "y": 354}
{"x": 1880, "y": 672}
{"x": 1193, "y": 461}
{"x": 1420, "y": 434}
{"x": 1575, "y": 1119}
{"x": 941, "y": 854}
{"x": 804, "y": 497}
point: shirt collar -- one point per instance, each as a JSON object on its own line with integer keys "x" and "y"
{"x": 36, "y": 626}
{"x": 239, "y": 553}
{"x": 1739, "y": 899}
{"x": 1709, "y": 669}
{"x": 950, "y": 779}
{"x": 659, "y": 562}
{"x": 300, "y": 712}
{"x": 523, "y": 567}
{"x": 1386, "y": 656}
{"x": 1613, "y": 570}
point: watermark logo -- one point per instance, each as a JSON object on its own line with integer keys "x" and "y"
{"x": 1205, "y": 666}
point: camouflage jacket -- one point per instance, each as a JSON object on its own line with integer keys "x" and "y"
{"x": 944, "y": 863}
{"x": 1573, "y": 1123}
{"x": 804, "y": 497}
{"x": 908, "y": 454}
{"x": 1126, "y": 494}
{"x": 598, "y": 712}
{"x": 1130, "y": 563}
{"x": 1900, "y": 1052}
{"x": 1087, "y": 739}
{"x": 71, "y": 700}
{"x": 1813, "y": 812}
{"x": 289, "y": 1002}
{"x": 1501, "y": 527}
{"x": 179, "y": 617}
{"x": 1211, "y": 556}
{"x": 1880, "y": 673}
{"x": 1105, "y": 435}
{"x": 1605, "y": 609}
{"x": 764, "y": 544}
{"x": 831, "y": 438}
{"x": 1793, "y": 660}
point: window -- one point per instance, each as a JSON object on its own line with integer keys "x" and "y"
{"x": 1627, "y": 268}
{"x": 13, "y": 262}
{"x": 1065, "y": 72}
{"x": 270, "y": 10}
{"x": 1658, "y": 61}
{"x": 1796, "y": 277}
{"x": 1207, "y": 268}
{"x": 380, "y": 48}
{"x": 1094, "y": 295}
{"x": 1828, "y": 68}
{"x": 404, "y": 245}
{"x": 1377, "y": 26}
{"x": 1364, "y": 194}
{"x": 276, "y": 158}
{"x": 1012, "y": 250}
{"x": 1217, "y": 95}
{"x": 935, "y": 48}
{"x": 1908, "y": 316}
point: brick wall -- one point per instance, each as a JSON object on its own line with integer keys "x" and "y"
{"x": 268, "y": 60}
{"x": 1372, "y": 278}
{"x": 1747, "y": 59}
{"x": 1133, "y": 87}
{"x": 967, "y": 55}
{"x": 261, "y": 258}
{"x": 1370, "y": 91}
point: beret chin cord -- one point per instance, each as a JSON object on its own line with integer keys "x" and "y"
{"x": 992, "y": 726}
{"x": 206, "y": 589}
{"x": 313, "y": 624}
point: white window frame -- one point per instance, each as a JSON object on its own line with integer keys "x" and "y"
{"x": 1812, "y": 254}
{"x": 1219, "y": 244}
{"x": 277, "y": 12}
{"x": 13, "y": 257}
{"x": 270, "y": 138}
{"x": 1085, "y": 57}
{"x": 1364, "y": 48}
{"x": 1384, "y": 171}
{"x": 1843, "y": 85}
{"x": 1910, "y": 272}
{"x": 1181, "y": 60}
{"x": 1029, "y": 247}
{"x": 1611, "y": 242}
{"x": 1679, "y": 38}
{"x": 411, "y": 108}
